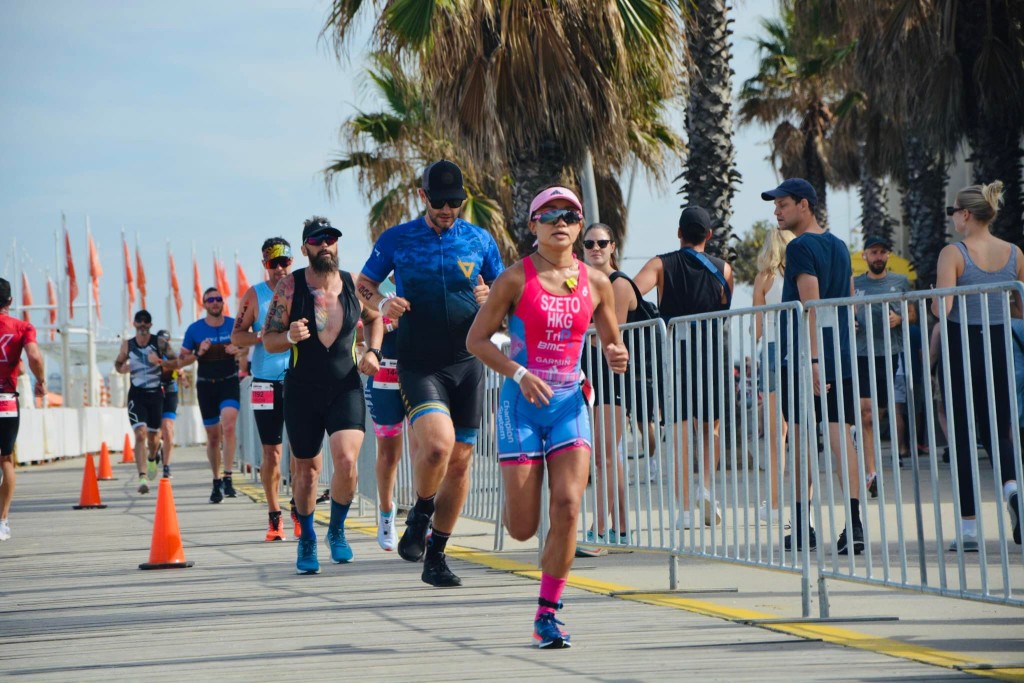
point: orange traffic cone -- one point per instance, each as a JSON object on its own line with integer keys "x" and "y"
{"x": 90, "y": 497}
{"x": 106, "y": 471}
{"x": 165, "y": 551}
{"x": 129, "y": 453}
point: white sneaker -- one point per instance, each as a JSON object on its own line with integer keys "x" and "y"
{"x": 387, "y": 536}
{"x": 764, "y": 517}
{"x": 655, "y": 472}
{"x": 5, "y": 530}
{"x": 709, "y": 509}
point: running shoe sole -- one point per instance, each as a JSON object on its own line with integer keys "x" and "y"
{"x": 1011, "y": 503}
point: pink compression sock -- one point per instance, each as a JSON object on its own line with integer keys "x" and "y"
{"x": 550, "y": 590}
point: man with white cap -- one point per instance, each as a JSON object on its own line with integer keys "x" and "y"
{"x": 442, "y": 266}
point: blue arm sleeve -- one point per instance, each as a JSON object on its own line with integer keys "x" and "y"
{"x": 382, "y": 257}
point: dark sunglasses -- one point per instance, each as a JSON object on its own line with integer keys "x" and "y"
{"x": 570, "y": 216}
{"x": 441, "y": 203}
{"x": 141, "y": 323}
{"x": 279, "y": 262}
{"x": 214, "y": 299}
{"x": 589, "y": 244}
{"x": 327, "y": 240}
{"x": 950, "y": 210}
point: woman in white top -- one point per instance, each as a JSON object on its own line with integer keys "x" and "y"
{"x": 771, "y": 264}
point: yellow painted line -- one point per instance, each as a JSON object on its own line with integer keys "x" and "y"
{"x": 826, "y": 632}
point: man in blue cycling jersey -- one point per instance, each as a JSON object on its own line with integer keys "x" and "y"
{"x": 442, "y": 266}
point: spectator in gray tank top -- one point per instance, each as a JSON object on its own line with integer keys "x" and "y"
{"x": 981, "y": 258}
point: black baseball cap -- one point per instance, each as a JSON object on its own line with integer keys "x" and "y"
{"x": 695, "y": 215}
{"x": 877, "y": 241}
{"x": 443, "y": 180}
{"x": 164, "y": 334}
{"x": 317, "y": 226}
{"x": 143, "y": 316}
{"x": 797, "y": 188}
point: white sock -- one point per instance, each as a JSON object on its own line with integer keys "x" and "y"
{"x": 1009, "y": 488}
{"x": 969, "y": 527}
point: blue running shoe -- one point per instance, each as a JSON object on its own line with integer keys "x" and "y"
{"x": 548, "y": 635}
{"x": 341, "y": 551}
{"x": 307, "y": 562}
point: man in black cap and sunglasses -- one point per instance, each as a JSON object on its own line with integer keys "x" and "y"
{"x": 443, "y": 266}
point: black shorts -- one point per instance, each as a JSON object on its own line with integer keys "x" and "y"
{"x": 865, "y": 366}
{"x": 145, "y": 407}
{"x": 703, "y": 388}
{"x": 270, "y": 423}
{"x": 9, "y": 429}
{"x": 456, "y": 390}
{"x": 170, "y": 407}
{"x": 215, "y": 396}
{"x": 845, "y": 385}
{"x": 310, "y": 411}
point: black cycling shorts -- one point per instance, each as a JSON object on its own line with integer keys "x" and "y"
{"x": 830, "y": 411}
{"x": 311, "y": 411}
{"x": 145, "y": 408}
{"x": 455, "y": 390}
{"x": 170, "y": 407}
{"x": 865, "y": 366}
{"x": 215, "y": 396}
{"x": 9, "y": 428}
{"x": 270, "y": 421}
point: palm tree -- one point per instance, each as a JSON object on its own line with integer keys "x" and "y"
{"x": 710, "y": 175}
{"x": 388, "y": 151}
{"x": 798, "y": 89}
{"x": 525, "y": 89}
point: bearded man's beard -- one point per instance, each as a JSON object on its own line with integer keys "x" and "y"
{"x": 324, "y": 262}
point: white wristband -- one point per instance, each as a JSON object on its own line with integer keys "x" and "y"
{"x": 384, "y": 302}
{"x": 288, "y": 336}
{"x": 519, "y": 374}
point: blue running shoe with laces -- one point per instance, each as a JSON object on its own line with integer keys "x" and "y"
{"x": 341, "y": 551}
{"x": 307, "y": 562}
{"x": 548, "y": 635}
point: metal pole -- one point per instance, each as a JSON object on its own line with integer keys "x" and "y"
{"x": 170, "y": 323}
{"x": 94, "y": 398}
{"x": 63, "y": 318}
{"x": 589, "y": 184}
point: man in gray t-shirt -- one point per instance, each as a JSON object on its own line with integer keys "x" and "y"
{"x": 885, "y": 322}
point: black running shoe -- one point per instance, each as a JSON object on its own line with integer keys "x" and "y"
{"x": 437, "y": 573}
{"x": 413, "y": 543}
{"x": 229, "y": 490}
{"x": 842, "y": 546}
{"x": 873, "y": 486}
{"x": 325, "y": 496}
{"x": 217, "y": 495}
{"x": 788, "y": 541}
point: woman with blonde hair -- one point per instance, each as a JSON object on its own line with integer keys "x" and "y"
{"x": 771, "y": 265}
{"x": 981, "y": 258}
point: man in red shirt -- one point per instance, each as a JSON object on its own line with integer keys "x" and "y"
{"x": 15, "y": 335}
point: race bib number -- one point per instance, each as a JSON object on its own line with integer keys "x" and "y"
{"x": 387, "y": 376}
{"x": 262, "y": 396}
{"x": 8, "y": 405}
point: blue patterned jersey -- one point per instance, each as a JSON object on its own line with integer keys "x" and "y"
{"x": 437, "y": 274}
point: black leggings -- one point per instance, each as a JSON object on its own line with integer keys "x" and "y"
{"x": 1002, "y": 376}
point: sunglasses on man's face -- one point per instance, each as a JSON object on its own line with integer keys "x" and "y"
{"x": 326, "y": 240}
{"x": 589, "y": 244}
{"x": 279, "y": 262}
{"x": 570, "y": 216}
{"x": 142, "y": 324}
{"x": 214, "y": 299}
{"x": 441, "y": 203}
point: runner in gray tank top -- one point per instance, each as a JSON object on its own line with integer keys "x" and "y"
{"x": 981, "y": 258}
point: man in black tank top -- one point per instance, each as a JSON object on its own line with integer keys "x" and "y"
{"x": 143, "y": 356}
{"x": 691, "y": 282}
{"x": 314, "y": 315}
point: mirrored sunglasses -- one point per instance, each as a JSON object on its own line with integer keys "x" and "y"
{"x": 279, "y": 262}
{"x": 214, "y": 299}
{"x": 326, "y": 240}
{"x": 570, "y": 216}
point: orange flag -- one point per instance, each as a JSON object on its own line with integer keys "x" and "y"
{"x": 196, "y": 287}
{"x": 95, "y": 271}
{"x": 70, "y": 272}
{"x": 175, "y": 289}
{"x": 241, "y": 281}
{"x": 142, "y": 276}
{"x": 128, "y": 279}
{"x": 26, "y": 296}
{"x": 51, "y": 301}
{"x": 222, "y": 282}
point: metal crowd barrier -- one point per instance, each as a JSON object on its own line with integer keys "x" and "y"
{"x": 735, "y": 362}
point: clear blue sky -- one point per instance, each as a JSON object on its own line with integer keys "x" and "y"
{"x": 208, "y": 123}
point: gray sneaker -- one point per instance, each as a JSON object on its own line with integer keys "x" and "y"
{"x": 970, "y": 543}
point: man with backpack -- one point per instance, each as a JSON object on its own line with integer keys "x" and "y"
{"x": 690, "y": 282}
